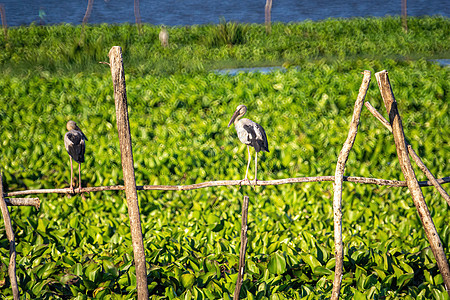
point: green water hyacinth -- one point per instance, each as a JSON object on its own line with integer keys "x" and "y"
{"x": 81, "y": 249}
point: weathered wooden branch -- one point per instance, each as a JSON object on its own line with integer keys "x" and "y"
{"x": 88, "y": 12}
{"x": 413, "y": 155}
{"x": 413, "y": 186}
{"x": 427, "y": 173}
{"x": 123, "y": 128}
{"x": 188, "y": 187}
{"x": 379, "y": 116}
{"x": 339, "y": 178}
{"x": 243, "y": 249}
{"x": 23, "y": 202}
{"x": 12, "y": 243}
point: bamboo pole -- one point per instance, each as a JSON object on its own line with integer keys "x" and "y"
{"x": 408, "y": 172}
{"x": 123, "y": 128}
{"x": 413, "y": 155}
{"x": 188, "y": 187}
{"x": 243, "y": 249}
{"x": 12, "y": 243}
{"x": 339, "y": 178}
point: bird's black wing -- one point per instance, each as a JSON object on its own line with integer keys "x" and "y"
{"x": 75, "y": 145}
{"x": 256, "y": 136}
{"x": 74, "y": 138}
{"x": 262, "y": 138}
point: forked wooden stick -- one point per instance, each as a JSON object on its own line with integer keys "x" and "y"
{"x": 414, "y": 188}
{"x": 339, "y": 178}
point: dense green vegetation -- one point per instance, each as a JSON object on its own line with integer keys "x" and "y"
{"x": 75, "y": 248}
{"x": 59, "y": 49}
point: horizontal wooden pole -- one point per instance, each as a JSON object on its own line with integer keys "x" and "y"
{"x": 23, "y": 202}
{"x": 362, "y": 180}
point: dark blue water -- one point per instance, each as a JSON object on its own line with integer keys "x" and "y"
{"x": 188, "y": 12}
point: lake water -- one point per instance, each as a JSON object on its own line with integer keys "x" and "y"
{"x": 189, "y": 12}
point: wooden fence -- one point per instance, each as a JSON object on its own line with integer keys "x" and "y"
{"x": 394, "y": 125}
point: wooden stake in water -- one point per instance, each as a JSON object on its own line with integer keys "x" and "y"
{"x": 416, "y": 193}
{"x": 268, "y": 16}
{"x": 137, "y": 15}
{"x": 12, "y": 243}
{"x": 404, "y": 16}
{"x": 3, "y": 16}
{"x": 243, "y": 249}
{"x": 338, "y": 179}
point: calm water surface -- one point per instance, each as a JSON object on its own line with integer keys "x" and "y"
{"x": 189, "y": 12}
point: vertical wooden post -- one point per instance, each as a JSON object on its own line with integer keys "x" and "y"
{"x": 338, "y": 179}
{"x": 410, "y": 177}
{"x": 12, "y": 243}
{"x": 85, "y": 19}
{"x": 123, "y": 127}
{"x": 3, "y": 16}
{"x": 243, "y": 249}
{"x": 137, "y": 15}
{"x": 404, "y": 16}
{"x": 268, "y": 16}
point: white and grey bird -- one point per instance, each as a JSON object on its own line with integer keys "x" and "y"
{"x": 74, "y": 141}
{"x": 164, "y": 37}
{"x": 251, "y": 134}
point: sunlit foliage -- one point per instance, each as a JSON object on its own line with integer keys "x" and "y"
{"x": 75, "y": 248}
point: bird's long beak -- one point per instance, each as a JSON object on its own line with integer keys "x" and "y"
{"x": 233, "y": 117}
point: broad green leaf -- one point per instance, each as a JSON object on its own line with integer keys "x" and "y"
{"x": 277, "y": 263}
{"x": 319, "y": 270}
{"x": 187, "y": 280}
{"x": 310, "y": 260}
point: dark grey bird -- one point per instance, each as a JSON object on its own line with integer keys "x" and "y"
{"x": 74, "y": 141}
{"x": 251, "y": 134}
